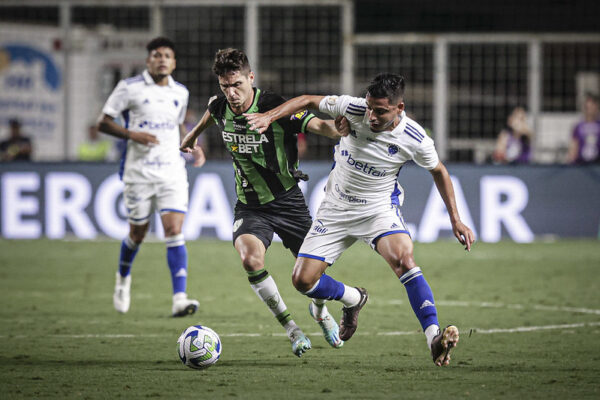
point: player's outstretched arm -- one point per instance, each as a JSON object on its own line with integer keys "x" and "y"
{"x": 328, "y": 128}
{"x": 260, "y": 122}
{"x": 188, "y": 144}
{"x": 107, "y": 124}
{"x": 442, "y": 180}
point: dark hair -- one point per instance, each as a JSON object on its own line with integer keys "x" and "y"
{"x": 592, "y": 96}
{"x": 160, "y": 41}
{"x": 230, "y": 60}
{"x": 14, "y": 123}
{"x": 387, "y": 86}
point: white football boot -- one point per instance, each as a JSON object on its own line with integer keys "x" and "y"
{"x": 122, "y": 295}
{"x": 183, "y": 306}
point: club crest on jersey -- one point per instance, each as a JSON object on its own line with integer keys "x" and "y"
{"x": 299, "y": 115}
{"x": 176, "y": 103}
{"x": 392, "y": 149}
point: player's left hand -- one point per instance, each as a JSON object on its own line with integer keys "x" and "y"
{"x": 258, "y": 122}
{"x": 464, "y": 234}
{"x": 342, "y": 125}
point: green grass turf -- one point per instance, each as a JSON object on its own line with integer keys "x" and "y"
{"x": 61, "y": 338}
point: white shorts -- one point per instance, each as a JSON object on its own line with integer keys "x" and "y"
{"x": 333, "y": 231}
{"x": 142, "y": 199}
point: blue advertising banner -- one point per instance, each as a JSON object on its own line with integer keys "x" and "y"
{"x": 519, "y": 203}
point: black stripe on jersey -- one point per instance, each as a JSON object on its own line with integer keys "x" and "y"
{"x": 355, "y": 113}
{"x": 251, "y": 195}
{"x": 270, "y": 152}
{"x": 271, "y": 179}
{"x": 357, "y": 107}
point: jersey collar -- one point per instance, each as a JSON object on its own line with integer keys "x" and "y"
{"x": 149, "y": 81}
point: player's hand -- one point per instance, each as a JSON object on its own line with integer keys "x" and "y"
{"x": 258, "y": 122}
{"x": 464, "y": 234}
{"x": 188, "y": 143}
{"x": 342, "y": 125}
{"x": 144, "y": 138}
{"x": 199, "y": 157}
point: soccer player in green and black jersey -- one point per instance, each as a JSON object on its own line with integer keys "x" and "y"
{"x": 266, "y": 176}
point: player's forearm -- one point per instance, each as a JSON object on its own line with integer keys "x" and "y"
{"x": 324, "y": 128}
{"x": 294, "y": 105}
{"x": 444, "y": 185}
{"x": 107, "y": 125}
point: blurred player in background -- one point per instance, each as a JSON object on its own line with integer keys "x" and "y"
{"x": 18, "y": 146}
{"x": 266, "y": 176}
{"x": 585, "y": 141}
{"x": 363, "y": 202}
{"x": 153, "y": 107}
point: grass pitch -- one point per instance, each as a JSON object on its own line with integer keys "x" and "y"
{"x": 529, "y": 317}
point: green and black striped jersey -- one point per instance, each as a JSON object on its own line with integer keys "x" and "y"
{"x": 266, "y": 165}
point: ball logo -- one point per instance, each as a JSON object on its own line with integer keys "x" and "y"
{"x": 392, "y": 149}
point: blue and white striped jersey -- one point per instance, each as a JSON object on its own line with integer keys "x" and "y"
{"x": 367, "y": 163}
{"x": 158, "y": 110}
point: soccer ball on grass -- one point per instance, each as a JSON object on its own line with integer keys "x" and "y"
{"x": 199, "y": 347}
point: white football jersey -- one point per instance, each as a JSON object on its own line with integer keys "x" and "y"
{"x": 158, "y": 110}
{"x": 367, "y": 164}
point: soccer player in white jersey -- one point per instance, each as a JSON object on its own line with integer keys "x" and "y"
{"x": 153, "y": 107}
{"x": 362, "y": 202}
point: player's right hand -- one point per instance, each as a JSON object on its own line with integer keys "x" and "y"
{"x": 144, "y": 138}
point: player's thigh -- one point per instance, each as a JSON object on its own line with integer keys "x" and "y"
{"x": 251, "y": 250}
{"x": 139, "y": 202}
{"x": 327, "y": 238}
{"x": 292, "y": 225}
{"x": 247, "y": 222}
{"x": 379, "y": 223}
{"x": 172, "y": 197}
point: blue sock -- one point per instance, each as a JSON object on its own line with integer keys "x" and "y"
{"x": 177, "y": 260}
{"x": 420, "y": 297}
{"x": 327, "y": 288}
{"x": 128, "y": 251}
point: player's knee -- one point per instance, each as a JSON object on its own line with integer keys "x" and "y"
{"x": 402, "y": 262}
{"x": 252, "y": 261}
{"x": 171, "y": 230}
{"x": 303, "y": 281}
{"x": 137, "y": 235}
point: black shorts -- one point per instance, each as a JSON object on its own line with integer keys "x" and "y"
{"x": 288, "y": 216}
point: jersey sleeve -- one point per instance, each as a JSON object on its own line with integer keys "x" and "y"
{"x": 300, "y": 121}
{"x": 183, "y": 110}
{"x": 338, "y": 105}
{"x": 425, "y": 154}
{"x": 117, "y": 101}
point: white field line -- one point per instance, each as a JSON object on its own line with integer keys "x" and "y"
{"x": 519, "y": 329}
{"x": 487, "y": 304}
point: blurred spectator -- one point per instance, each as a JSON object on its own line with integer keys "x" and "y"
{"x": 302, "y": 145}
{"x": 95, "y": 148}
{"x": 585, "y": 142}
{"x": 513, "y": 145}
{"x": 18, "y": 146}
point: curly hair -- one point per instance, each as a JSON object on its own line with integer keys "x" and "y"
{"x": 160, "y": 41}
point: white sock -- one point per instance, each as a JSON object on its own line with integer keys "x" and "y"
{"x": 351, "y": 296}
{"x": 431, "y": 332}
{"x": 267, "y": 291}
{"x": 318, "y": 307}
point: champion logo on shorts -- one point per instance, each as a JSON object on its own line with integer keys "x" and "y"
{"x": 237, "y": 224}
